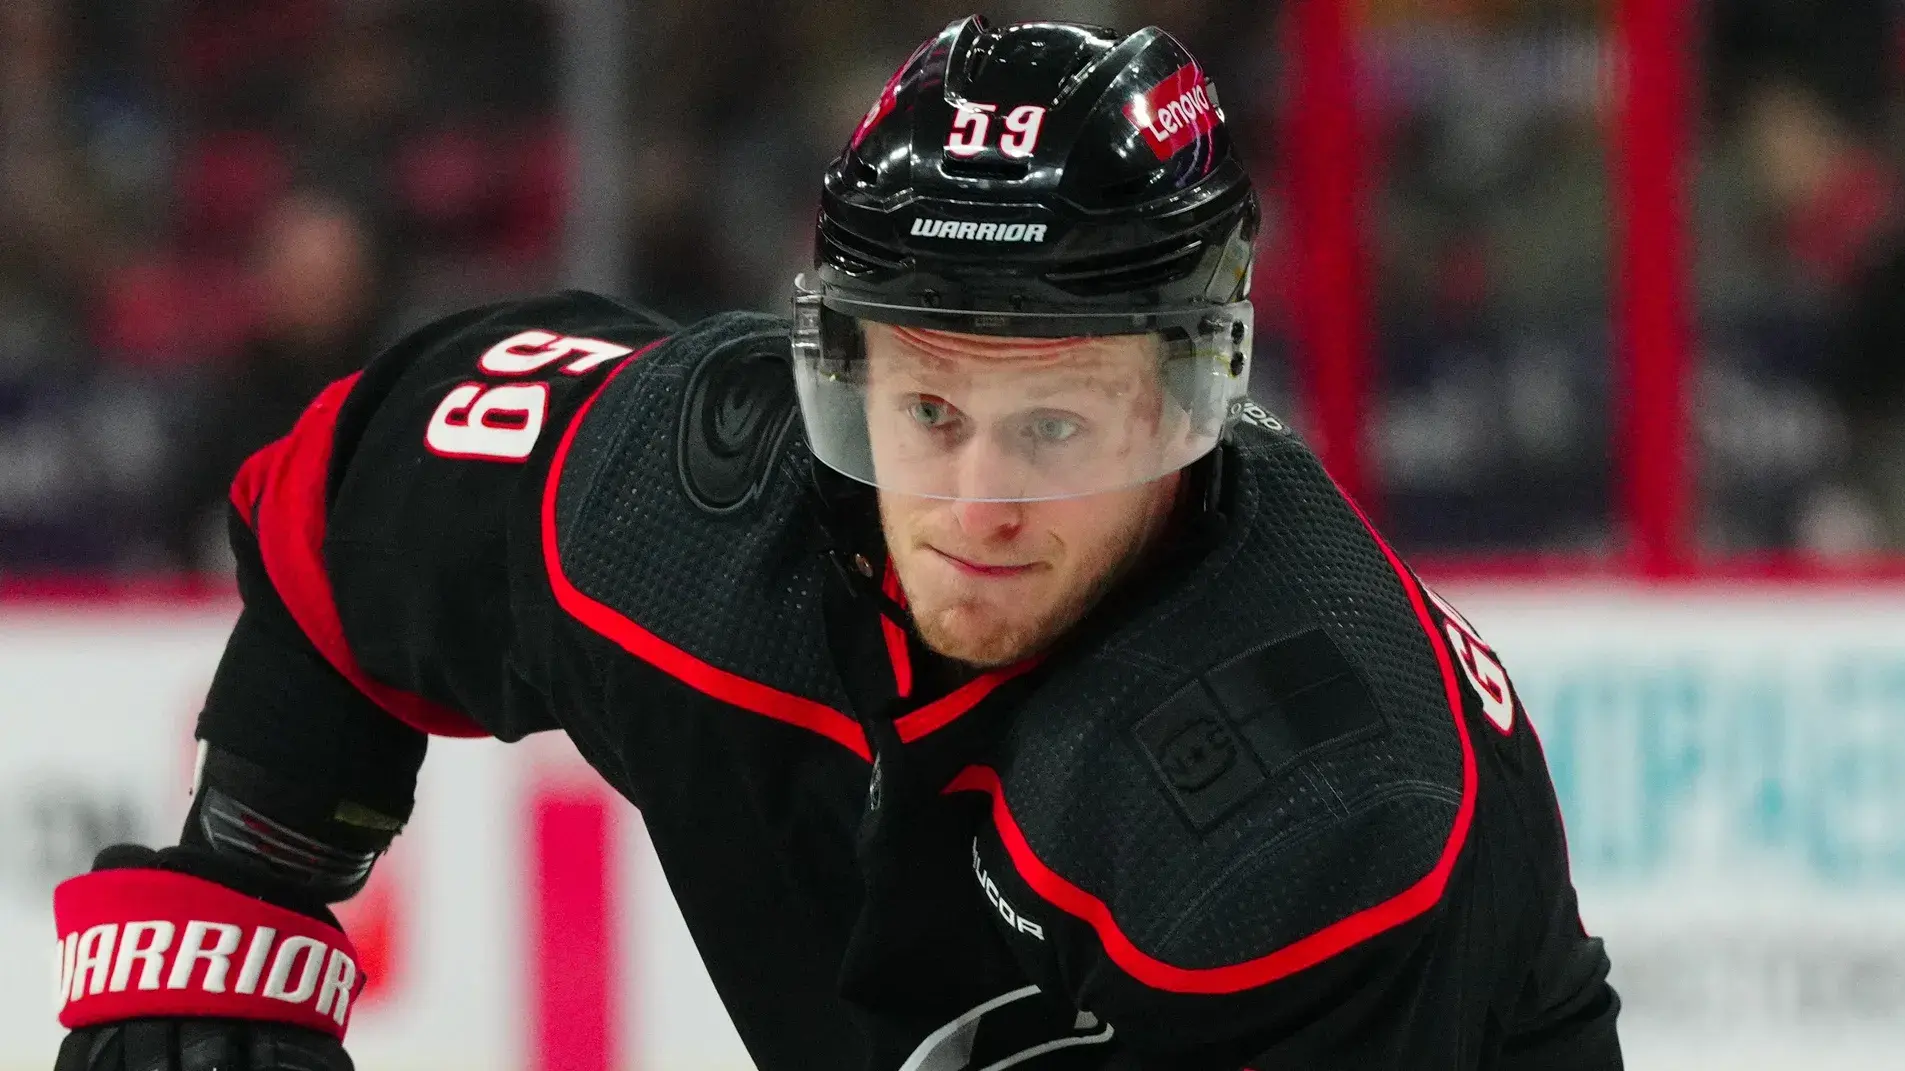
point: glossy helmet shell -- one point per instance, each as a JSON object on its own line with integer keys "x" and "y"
{"x": 1130, "y": 171}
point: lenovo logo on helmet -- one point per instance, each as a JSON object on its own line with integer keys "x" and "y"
{"x": 1175, "y": 112}
{"x": 968, "y": 231}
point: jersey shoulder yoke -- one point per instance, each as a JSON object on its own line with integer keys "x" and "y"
{"x": 1265, "y": 767}
{"x": 681, "y": 523}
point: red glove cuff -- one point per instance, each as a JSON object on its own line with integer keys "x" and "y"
{"x": 137, "y": 943}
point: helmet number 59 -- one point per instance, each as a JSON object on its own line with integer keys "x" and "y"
{"x": 973, "y": 120}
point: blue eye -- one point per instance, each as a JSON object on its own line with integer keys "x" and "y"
{"x": 1054, "y": 429}
{"x": 928, "y": 413}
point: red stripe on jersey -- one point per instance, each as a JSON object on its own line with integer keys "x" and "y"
{"x": 709, "y": 680}
{"x": 280, "y": 492}
{"x": 249, "y": 485}
{"x": 896, "y": 653}
{"x": 1291, "y": 958}
{"x": 943, "y": 711}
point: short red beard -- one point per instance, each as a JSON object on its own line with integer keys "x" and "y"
{"x": 1006, "y": 638}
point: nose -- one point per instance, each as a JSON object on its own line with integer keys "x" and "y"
{"x": 988, "y": 522}
{"x": 987, "y": 481}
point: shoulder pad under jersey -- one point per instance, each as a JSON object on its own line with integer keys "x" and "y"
{"x": 1264, "y": 768}
{"x": 679, "y": 521}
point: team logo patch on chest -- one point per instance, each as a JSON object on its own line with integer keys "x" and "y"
{"x": 1223, "y": 737}
{"x": 1197, "y": 754}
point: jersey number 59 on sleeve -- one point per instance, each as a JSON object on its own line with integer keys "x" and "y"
{"x": 1478, "y": 661}
{"x": 501, "y": 421}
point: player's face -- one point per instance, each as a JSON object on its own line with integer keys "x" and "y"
{"x": 991, "y": 580}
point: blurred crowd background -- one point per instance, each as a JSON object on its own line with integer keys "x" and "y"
{"x": 210, "y": 208}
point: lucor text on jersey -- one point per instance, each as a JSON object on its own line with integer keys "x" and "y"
{"x": 998, "y": 901}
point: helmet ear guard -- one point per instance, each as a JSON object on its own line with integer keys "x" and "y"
{"x": 1209, "y": 380}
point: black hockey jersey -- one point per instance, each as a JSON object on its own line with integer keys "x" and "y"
{"x": 1272, "y": 805}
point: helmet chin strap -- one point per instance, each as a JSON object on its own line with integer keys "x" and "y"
{"x": 1206, "y": 487}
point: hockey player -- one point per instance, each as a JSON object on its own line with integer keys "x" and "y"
{"x": 999, "y": 686}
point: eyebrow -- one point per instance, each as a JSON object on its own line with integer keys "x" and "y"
{"x": 1096, "y": 384}
{"x": 923, "y": 380}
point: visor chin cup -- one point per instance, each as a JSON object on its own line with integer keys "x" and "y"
{"x": 890, "y": 398}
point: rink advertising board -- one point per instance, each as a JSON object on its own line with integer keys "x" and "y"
{"x": 1731, "y": 764}
{"x": 1731, "y": 767}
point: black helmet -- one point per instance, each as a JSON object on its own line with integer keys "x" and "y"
{"x": 1034, "y": 181}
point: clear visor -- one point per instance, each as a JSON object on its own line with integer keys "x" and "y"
{"x": 1014, "y": 407}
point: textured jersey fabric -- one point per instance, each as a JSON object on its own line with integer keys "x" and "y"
{"x": 1257, "y": 811}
